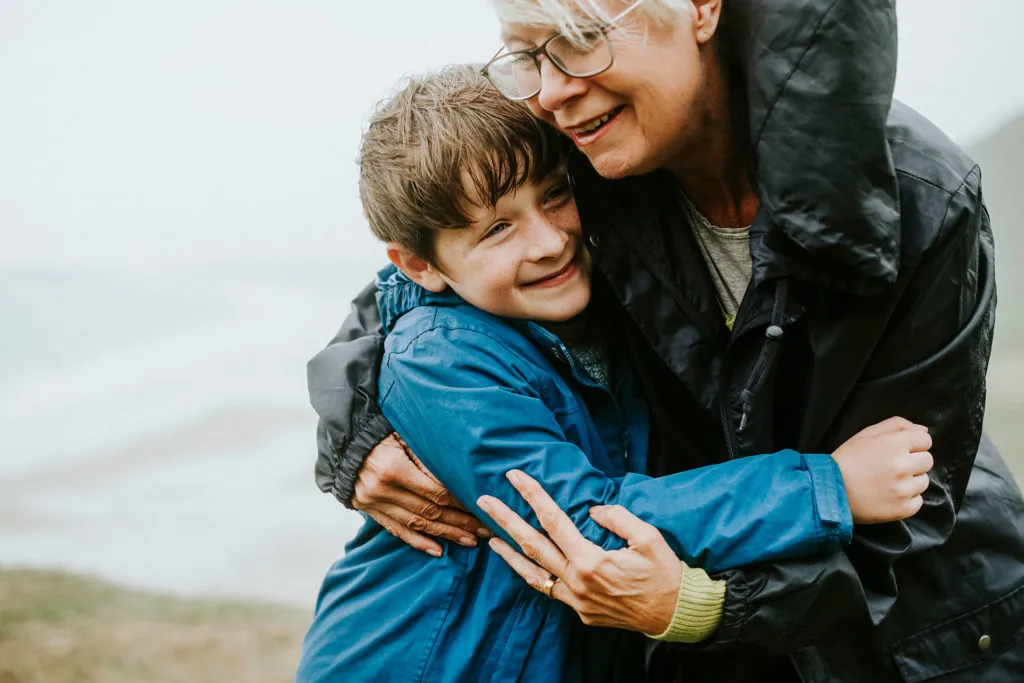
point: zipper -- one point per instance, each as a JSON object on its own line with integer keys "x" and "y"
{"x": 737, "y": 331}
{"x": 562, "y": 352}
{"x": 723, "y": 404}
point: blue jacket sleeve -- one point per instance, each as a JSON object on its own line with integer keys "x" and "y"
{"x": 472, "y": 410}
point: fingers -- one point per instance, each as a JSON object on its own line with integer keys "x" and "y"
{"x": 893, "y": 424}
{"x": 535, "y": 576}
{"x": 445, "y": 498}
{"x": 626, "y": 525}
{"x": 410, "y": 537}
{"x": 389, "y": 466}
{"x": 418, "y": 513}
{"x": 913, "y": 506}
{"x": 921, "y": 462}
{"x": 416, "y": 461}
{"x": 534, "y": 544}
{"x": 916, "y": 440}
{"x": 559, "y": 526}
{"x": 431, "y": 512}
{"x": 531, "y": 573}
{"x": 406, "y": 474}
{"x": 393, "y": 490}
{"x": 428, "y": 527}
{"x": 919, "y": 484}
{"x": 392, "y": 475}
{"x": 911, "y": 499}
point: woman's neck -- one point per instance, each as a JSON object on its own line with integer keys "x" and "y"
{"x": 713, "y": 167}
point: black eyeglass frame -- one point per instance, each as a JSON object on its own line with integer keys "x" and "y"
{"x": 532, "y": 53}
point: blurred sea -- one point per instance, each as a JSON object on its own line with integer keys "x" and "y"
{"x": 157, "y": 431}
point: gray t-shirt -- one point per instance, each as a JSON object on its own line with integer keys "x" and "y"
{"x": 727, "y": 254}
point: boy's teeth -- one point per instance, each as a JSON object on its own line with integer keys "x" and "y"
{"x": 595, "y": 124}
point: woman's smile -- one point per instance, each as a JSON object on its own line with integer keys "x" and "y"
{"x": 594, "y": 129}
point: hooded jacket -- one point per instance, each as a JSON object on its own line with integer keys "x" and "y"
{"x": 475, "y": 396}
{"x": 873, "y": 294}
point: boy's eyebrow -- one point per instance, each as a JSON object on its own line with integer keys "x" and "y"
{"x": 484, "y": 219}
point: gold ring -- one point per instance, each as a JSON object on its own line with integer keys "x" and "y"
{"x": 548, "y": 585}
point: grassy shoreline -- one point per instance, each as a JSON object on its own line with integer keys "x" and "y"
{"x": 64, "y": 628}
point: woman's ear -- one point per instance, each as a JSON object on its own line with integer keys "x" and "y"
{"x": 705, "y": 23}
{"x": 416, "y": 268}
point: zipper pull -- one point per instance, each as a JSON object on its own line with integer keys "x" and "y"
{"x": 745, "y": 396}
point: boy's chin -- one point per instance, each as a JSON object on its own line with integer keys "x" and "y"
{"x": 561, "y": 314}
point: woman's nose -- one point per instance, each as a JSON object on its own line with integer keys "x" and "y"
{"x": 556, "y": 89}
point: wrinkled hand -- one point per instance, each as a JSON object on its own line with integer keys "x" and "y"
{"x": 885, "y": 468}
{"x": 634, "y": 588}
{"x": 400, "y": 494}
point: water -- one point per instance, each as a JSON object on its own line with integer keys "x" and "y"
{"x": 157, "y": 430}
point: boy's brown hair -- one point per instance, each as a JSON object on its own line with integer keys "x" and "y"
{"x": 423, "y": 139}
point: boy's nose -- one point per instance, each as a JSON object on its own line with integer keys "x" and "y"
{"x": 547, "y": 240}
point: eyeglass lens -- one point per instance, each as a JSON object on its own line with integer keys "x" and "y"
{"x": 517, "y": 74}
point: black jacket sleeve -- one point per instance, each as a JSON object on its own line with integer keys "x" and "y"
{"x": 936, "y": 350}
{"x": 342, "y": 383}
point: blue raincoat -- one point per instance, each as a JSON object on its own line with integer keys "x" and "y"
{"x": 474, "y": 396}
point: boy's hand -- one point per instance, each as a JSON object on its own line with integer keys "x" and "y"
{"x": 397, "y": 491}
{"x": 885, "y": 468}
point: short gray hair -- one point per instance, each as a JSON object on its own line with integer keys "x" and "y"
{"x": 567, "y": 16}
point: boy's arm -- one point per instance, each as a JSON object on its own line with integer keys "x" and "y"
{"x": 472, "y": 412}
{"x": 744, "y": 511}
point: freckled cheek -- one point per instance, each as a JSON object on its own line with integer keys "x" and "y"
{"x": 567, "y": 219}
{"x": 500, "y": 279}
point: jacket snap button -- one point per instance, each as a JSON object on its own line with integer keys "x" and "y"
{"x": 984, "y": 643}
{"x": 595, "y": 241}
{"x": 773, "y": 332}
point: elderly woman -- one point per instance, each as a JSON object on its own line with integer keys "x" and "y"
{"x": 795, "y": 256}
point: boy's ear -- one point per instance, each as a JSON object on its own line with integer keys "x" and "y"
{"x": 417, "y": 268}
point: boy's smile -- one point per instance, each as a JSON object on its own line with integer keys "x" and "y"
{"x": 559, "y": 277}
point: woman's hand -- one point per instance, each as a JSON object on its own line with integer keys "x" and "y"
{"x": 400, "y": 494}
{"x": 634, "y": 588}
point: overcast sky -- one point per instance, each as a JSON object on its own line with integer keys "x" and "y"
{"x": 225, "y": 131}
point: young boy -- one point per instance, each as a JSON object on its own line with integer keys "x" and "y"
{"x": 496, "y": 360}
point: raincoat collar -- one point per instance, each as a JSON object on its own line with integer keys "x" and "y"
{"x": 397, "y": 295}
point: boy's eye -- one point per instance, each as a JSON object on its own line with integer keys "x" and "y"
{"x": 558, "y": 192}
{"x": 494, "y": 230}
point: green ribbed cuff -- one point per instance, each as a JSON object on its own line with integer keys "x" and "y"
{"x": 699, "y": 606}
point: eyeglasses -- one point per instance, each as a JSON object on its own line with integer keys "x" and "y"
{"x": 516, "y": 75}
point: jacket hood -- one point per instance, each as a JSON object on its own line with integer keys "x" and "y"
{"x": 397, "y": 295}
{"x": 818, "y": 80}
